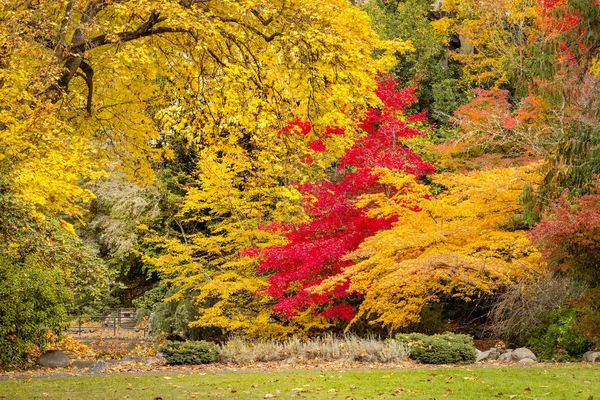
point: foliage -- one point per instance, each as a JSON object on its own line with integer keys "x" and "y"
{"x": 491, "y": 123}
{"x": 435, "y": 78}
{"x": 101, "y": 79}
{"x": 338, "y": 224}
{"x": 557, "y": 339}
{"x": 190, "y": 352}
{"x": 461, "y": 243}
{"x": 174, "y": 318}
{"x": 525, "y": 306}
{"x": 569, "y": 236}
{"x": 447, "y": 348}
{"x": 33, "y": 300}
{"x": 499, "y": 34}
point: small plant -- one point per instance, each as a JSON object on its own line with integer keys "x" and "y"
{"x": 447, "y": 348}
{"x": 199, "y": 352}
{"x": 558, "y": 340}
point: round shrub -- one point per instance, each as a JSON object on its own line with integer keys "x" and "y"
{"x": 447, "y": 348}
{"x": 199, "y": 352}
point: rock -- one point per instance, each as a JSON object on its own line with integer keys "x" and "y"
{"x": 591, "y": 356}
{"x": 526, "y": 361}
{"x": 98, "y": 366}
{"x": 505, "y": 356}
{"x": 132, "y": 358}
{"x": 494, "y": 354}
{"x": 161, "y": 357}
{"x": 81, "y": 364}
{"x": 54, "y": 359}
{"x": 152, "y": 360}
{"x": 521, "y": 353}
{"x": 483, "y": 355}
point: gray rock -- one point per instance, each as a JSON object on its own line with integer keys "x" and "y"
{"x": 505, "y": 356}
{"x": 54, "y": 359}
{"x": 133, "y": 359}
{"x": 98, "y": 366}
{"x": 494, "y": 354}
{"x": 152, "y": 360}
{"x": 591, "y": 356}
{"x": 526, "y": 361}
{"x": 521, "y": 353}
{"x": 81, "y": 364}
{"x": 483, "y": 355}
{"x": 161, "y": 357}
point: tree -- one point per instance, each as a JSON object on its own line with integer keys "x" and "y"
{"x": 315, "y": 249}
{"x": 500, "y": 34}
{"x": 82, "y": 81}
{"x": 461, "y": 243}
{"x": 428, "y": 68}
{"x": 45, "y": 273}
{"x": 90, "y": 86}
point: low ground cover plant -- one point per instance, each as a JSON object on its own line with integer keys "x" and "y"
{"x": 447, "y": 348}
{"x": 199, "y": 352}
{"x": 326, "y": 348}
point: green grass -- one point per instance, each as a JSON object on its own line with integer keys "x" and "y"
{"x": 562, "y": 382}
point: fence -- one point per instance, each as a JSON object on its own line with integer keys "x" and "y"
{"x": 112, "y": 321}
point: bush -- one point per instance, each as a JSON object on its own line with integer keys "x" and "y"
{"x": 199, "y": 352}
{"x": 447, "y": 348}
{"x": 558, "y": 339}
{"x": 32, "y": 302}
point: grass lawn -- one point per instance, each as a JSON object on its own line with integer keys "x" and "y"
{"x": 561, "y": 382}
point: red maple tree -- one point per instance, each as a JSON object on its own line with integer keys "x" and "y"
{"x": 315, "y": 249}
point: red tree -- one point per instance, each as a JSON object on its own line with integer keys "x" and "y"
{"x": 315, "y": 249}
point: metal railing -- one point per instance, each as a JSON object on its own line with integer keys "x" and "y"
{"x": 114, "y": 320}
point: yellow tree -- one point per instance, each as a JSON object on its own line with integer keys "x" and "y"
{"x": 84, "y": 80}
{"x": 86, "y": 83}
{"x": 497, "y": 34}
{"x": 460, "y": 243}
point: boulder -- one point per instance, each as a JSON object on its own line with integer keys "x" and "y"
{"x": 54, "y": 359}
{"x": 81, "y": 364}
{"x": 494, "y": 354}
{"x": 526, "y": 361}
{"x": 98, "y": 366}
{"x": 521, "y": 353}
{"x": 128, "y": 359}
{"x": 505, "y": 356}
{"x": 482, "y": 355}
{"x": 152, "y": 360}
{"x": 591, "y": 356}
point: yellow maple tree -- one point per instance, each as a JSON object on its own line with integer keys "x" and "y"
{"x": 85, "y": 82}
{"x": 461, "y": 243}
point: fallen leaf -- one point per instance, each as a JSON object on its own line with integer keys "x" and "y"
{"x": 268, "y": 396}
{"x": 527, "y": 390}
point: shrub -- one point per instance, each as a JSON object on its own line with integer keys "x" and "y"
{"x": 199, "y": 352}
{"x": 447, "y": 348}
{"x": 558, "y": 339}
{"x": 32, "y": 302}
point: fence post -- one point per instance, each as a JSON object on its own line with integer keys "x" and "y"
{"x": 79, "y": 330}
{"x": 114, "y": 326}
